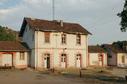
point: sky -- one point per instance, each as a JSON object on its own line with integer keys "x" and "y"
{"x": 98, "y": 16}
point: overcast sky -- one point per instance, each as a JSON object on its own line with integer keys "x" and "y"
{"x": 98, "y": 16}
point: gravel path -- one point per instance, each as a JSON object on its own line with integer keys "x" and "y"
{"x": 119, "y": 72}
{"x": 32, "y": 77}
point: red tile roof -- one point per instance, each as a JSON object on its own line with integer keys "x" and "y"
{"x": 13, "y": 46}
{"x": 45, "y": 25}
{"x": 95, "y": 49}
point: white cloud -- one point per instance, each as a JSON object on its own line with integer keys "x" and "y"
{"x": 98, "y": 16}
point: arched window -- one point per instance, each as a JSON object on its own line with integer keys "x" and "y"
{"x": 78, "y": 60}
{"x": 78, "y": 56}
{"x": 63, "y": 57}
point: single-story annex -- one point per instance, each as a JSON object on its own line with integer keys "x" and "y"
{"x": 97, "y": 56}
{"x": 13, "y": 53}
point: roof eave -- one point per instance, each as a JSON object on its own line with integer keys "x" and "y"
{"x": 14, "y": 50}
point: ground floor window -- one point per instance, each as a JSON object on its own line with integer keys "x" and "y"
{"x": 123, "y": 59}
{"x": 22, "y": 56}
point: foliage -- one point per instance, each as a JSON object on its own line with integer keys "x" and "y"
{"x": 6, "y": 34}
{"x": 123, "y": 16}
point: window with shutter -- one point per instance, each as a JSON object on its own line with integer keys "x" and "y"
{"x": 47, "y": 37}
{"x": 63, "y": 38}
{"x": 78, "y": 39}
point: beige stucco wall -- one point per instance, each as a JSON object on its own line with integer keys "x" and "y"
{"x": 94, "y": 59}
{"x": 71, "y": 41}
{"x": 17, "y": 63}
{"x": 21, "y": 63}
{"x": 55, "y": 48}
{"x": 119, "y": 60}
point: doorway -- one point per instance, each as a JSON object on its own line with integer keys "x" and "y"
{"x": 47, "y": 61}
{"x": 63, "y": 60}
{"x": 78, "y": 61}
{"x": 100, "y": 59}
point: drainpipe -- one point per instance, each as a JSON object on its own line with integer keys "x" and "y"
{"x": 37, "y": 49}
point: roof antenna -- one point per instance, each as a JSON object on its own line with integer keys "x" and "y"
{"x": 53, "y": 9}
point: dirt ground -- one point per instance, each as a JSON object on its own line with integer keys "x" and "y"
{"x": 35, "y": 77}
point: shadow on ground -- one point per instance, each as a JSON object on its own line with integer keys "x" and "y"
{"x": 103, "y": 78}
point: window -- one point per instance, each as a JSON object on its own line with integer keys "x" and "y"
{"x": 63, "y": 38}
{"x": 78, "y": 57}
{"x": 63, "y": 58}
{"x": 47, "y": 55}
{"x": 100, "y": 57}
{"x": 78, "y": 39}
{"x": 22, "y": 56}
{"x": 123, "y": 59}
{"x": 47, "y": 37}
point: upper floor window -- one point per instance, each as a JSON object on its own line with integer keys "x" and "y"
{"x": 78, "y": 39}
{"x": 22, "y": 56}
{"x": 63, "y": 38}
{"x": 47, "y": 37}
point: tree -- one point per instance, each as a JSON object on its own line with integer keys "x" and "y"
{"x": 123, "y": 16}
{"x": 7, "y": 34}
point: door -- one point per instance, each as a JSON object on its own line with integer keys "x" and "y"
{"x": 101, "y": 59}
{"x": 78, "y": 60}
{"x": 47, "y": 61}
{"x": 7, "y": 59}
{"x": 63, "y": 60}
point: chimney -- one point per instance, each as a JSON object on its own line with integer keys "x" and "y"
{"x": 61, "y": 23}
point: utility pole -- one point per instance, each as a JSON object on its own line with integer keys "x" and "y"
{"x": 53, "y": 9}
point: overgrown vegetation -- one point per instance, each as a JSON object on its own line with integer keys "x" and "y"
{"x": 7, "y": 34}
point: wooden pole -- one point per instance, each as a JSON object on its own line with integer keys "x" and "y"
{"x": 80, "y": 73}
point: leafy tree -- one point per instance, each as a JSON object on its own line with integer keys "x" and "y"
{"x": 6, "y": 34}
{"x": 123, "y": 16}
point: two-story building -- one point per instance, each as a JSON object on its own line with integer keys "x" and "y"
{"x": 55, "y": 44}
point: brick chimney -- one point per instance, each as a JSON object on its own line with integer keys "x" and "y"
{"x": 61, "y": 23}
